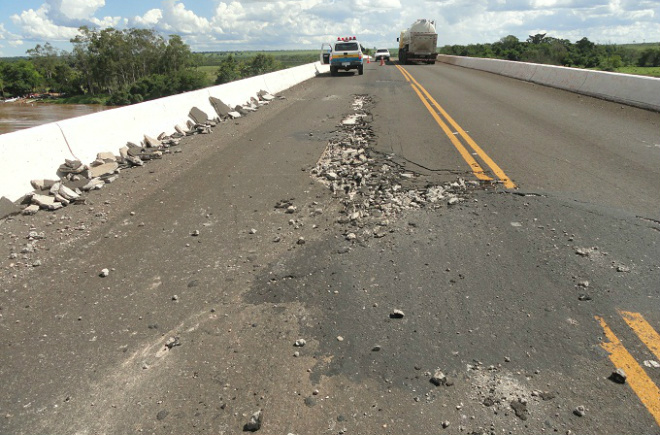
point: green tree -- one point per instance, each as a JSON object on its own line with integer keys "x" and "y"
{"x": 229, "y": 70}
{"x": 20, "y": 78}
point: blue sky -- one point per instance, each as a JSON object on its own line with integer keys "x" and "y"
{"x": 216, "y": 25}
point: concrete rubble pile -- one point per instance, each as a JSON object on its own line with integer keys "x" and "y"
{"x": 76, "y": 178}
{"x": 370, "y": 185}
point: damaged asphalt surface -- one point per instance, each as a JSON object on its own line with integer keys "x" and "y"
{"x": 261, "y": 269}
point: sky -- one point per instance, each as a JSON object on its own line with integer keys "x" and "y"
{"x": 217, "y": 25}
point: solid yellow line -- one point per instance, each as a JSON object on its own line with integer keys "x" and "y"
{"x": 644, "y": 331}
{"x": 495, "y": 168}
{"x": 476, "y": 168}
{"x": 638, "y": 380}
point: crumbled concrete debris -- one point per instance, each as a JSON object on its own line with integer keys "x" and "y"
{"x": 618, "y": 376}
{"x": 104, "y": 272}
{"x": 254, "y": 424}
{"x": 77, "y": 177}
{"x": 372, "y": 188}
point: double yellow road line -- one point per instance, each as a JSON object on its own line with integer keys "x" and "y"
{"x": 438, "y": 113}
{"x": 639, "y": 381}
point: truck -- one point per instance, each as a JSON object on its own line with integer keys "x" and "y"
{"x": 418, "y": 43}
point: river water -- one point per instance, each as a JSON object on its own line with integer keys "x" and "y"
{"x": 17, "y": 116}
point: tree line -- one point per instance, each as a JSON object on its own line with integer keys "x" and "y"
{"x": 541, "y": 48}
{"x": 119, "y": 67}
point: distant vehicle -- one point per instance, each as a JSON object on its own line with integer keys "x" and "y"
{"x": 382, "y": 53}
{"x": 418, "y": 43}
{"x": 343, "y": 54}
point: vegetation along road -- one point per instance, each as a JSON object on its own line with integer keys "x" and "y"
{"x": 421, "y": 249}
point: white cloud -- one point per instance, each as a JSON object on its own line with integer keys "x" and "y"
{"x": 181, "y": 20}
{"x": 37, "y": 25}
{"x": 149, "y": 19}
{"x": 75, "y": 9}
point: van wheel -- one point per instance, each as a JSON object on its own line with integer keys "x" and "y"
{"x": 361, "y": 69}
{"x": 333, "y": 71}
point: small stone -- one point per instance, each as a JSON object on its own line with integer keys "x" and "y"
{"x": 351, "y": 236}
{"x": 438, "y": 378}
{"x": 507, "y": 359}
{"x": 291, "y": 209}
{"x": 397, "y": 314}
{"x": 175, "y": 298}
{"x": 296, "y": 354}
{"x": 104, "y": 273}
{"x": 255, "y": 422}
{"x": 253, "y": 231}
{"x": 161, "y": 415}
{"x": 584, "y": 297}
{"x": 301, "y": 241}
{"x": 445, "y": 424}
{"x": 36, "y": 263}
{"x": 618, "y": 376}
{"x": 195, "y": 233}
{"x": 300, "y": 342}
{"x": 520, "y": 408}
{"x": 376, "y": 348}
{"x": 579, "y": 411}
{"x": 340, "y": 338}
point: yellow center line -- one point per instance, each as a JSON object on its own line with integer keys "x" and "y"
{"x": 637, "y": 378}
{"x": 480, "y": 152}
{"x": 478, "y": 170}
{"x": 644, "y": 331}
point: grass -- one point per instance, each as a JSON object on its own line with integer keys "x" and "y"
{"x": 640, "y": 71}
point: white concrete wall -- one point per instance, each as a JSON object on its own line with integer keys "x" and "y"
{"x": 633, "y": 90}
{"x": 36, "y": 153}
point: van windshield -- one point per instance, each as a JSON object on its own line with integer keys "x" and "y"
{"x": 346, "y": 46}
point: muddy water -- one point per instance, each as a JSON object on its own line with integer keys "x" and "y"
{"x": 17, "y": 116}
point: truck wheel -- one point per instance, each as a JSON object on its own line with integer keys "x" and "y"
{"x": 361, "y": 69}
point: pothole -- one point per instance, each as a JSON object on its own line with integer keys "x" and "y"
{"x": 372, "y": 187}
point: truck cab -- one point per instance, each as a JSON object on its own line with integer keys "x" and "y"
{"x": 343, "y": 54}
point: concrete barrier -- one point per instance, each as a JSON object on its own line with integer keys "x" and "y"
{"x": 633, "y": 90}
{"x": 36, "y": 153}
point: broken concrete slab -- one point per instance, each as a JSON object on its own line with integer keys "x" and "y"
{"x": 106, "y": 157}
{"x": 8, "y": 208}
{"x": 199, "y": 116}
{"x": 94, "y": 183}
{"x": 106, "y": 168}
{"x": 42, "y": 185}
{"x": 67, "y": 193}
{"x": 234, "y": 115}
{"x": 72, "y": 167}
{"x": 151, "y": 142}
{"x": 220, "y": 108}
{"x": 46, "y": 202}
{"x": 31, "y": 210}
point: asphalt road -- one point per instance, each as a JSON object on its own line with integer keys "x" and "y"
{"x": 526, "y": 297}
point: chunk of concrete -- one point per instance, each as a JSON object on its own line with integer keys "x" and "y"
{"x": 94, "y": 183}
{"x": 106, "y": 157}
{"x": 106, "y": 168}
{"x": 151, "y": 142}
{"x": 8, "y": 208}
{"x": 220, "y": 108}
{"x": 198, "y": 116}
{"x": 67, "y": 193}
{"x": 31, "y": 210}
{"x": 234, "y": 115}
{"x": 46, "y": 202}
{"x": 42, "y": 185}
